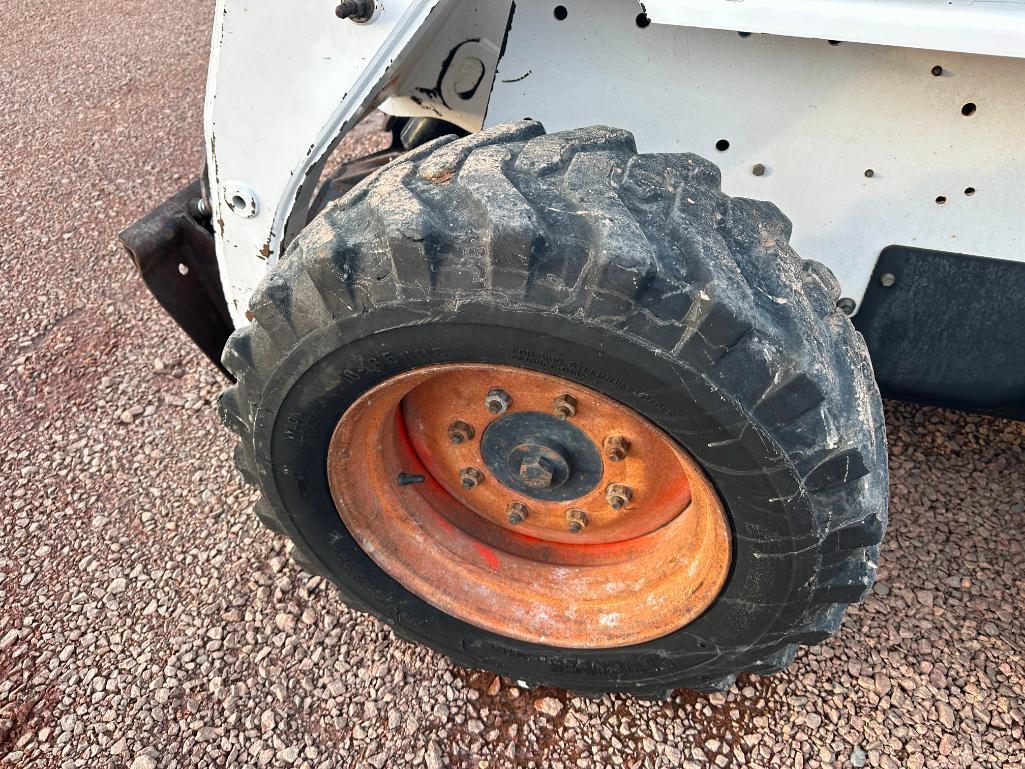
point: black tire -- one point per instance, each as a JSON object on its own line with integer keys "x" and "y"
{"x": 633, "y": 274}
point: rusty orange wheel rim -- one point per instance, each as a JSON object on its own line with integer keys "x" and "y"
{"x": 529, "y": 505}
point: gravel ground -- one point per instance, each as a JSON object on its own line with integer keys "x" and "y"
{"x": 147, "y": 621}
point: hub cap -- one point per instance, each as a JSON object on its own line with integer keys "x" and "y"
{"x": 538, "y": 509}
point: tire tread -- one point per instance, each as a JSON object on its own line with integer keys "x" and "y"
{"x": 726, "y": 281}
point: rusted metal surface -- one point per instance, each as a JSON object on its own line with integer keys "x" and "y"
{"x": 584, "y": 573}
{"x": 348, "y": 176}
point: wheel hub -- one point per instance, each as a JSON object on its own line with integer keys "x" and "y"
{"x": 547, "y": 511}
{"x": 541, "y": 456}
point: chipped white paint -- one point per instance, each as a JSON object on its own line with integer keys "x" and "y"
{"x": 240, "y": 199}
{"x": 285, "y": 80}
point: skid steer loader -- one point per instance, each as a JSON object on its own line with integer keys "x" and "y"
{"x": 545, "y": 388}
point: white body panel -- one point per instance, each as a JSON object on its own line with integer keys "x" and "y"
{"x": 471, "y": 36}
{"x": 995, "y": 27}
{"x": 817, "y": 116}
{"x": 286, "y": 80}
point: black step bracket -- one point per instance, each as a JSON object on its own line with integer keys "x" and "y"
{"x": 173, "y": 248}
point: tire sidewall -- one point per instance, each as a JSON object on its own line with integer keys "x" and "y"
{"x": 772, "y": 521}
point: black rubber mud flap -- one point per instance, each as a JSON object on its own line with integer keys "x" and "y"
{"x": 947, "y": 329}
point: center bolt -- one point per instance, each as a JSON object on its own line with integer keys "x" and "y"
{"x": 536, "y": 472}
{"x": 577, "y": 520}
{"x": 471, "y": 478}
{"x": 497, "y": 401}
{"x": 517, "y": 512}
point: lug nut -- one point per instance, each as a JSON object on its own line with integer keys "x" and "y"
{"x": 565, "y": 406}
{"x": 577, "y": 520}
{"x": 517, "y": 512}
{"x": 460, "y": 432}
{"x": 616, "y": 447}
{"x": 471, "y": 478}
{"x": 618, "y": 495}
{"x": 497, "y": 401}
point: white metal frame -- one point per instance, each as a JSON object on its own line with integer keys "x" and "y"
{"x": 992, "y": 27}
{"x": 816, "y": 116}
{"x": 288, "y": 79}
